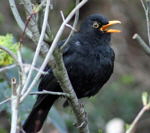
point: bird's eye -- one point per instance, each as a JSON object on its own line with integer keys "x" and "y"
{"x": 96, "y": 25}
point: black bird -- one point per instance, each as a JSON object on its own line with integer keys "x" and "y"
{"x": 89, "y": 60}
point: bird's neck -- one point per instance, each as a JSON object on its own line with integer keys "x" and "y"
{"x": 98, "y": 39}
{"x": 104, "y": 38}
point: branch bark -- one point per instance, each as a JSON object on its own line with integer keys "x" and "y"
{"x": 146, "y": 10}
{"x": 18, "y": 18}
{"x": 136, "y": 120}
{"x": 142, "y": 43}
{"x": 60, "y": 73}
{"x": 10, "y": 53}
{"x": 3, "y": 69}
{"x": 14, "y": 107}
{"x": 51, "y": 93}
{"x": 6, "y": 100}
{"x": 40, "y": 42}
{"x": 74, "y": 26}
{"x": 28, "y": 6}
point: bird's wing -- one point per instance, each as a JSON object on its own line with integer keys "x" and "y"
{"x": 48, "y": 81}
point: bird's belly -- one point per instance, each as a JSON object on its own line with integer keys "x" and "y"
{"x": 87, "y": 79}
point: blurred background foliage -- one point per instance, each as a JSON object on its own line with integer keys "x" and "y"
{"x": 119, "y": 98}
{"x": 7, "y": 42}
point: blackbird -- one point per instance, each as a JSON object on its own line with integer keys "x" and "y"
{"x": 89, "y": 60}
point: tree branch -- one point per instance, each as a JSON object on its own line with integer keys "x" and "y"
{"x": 7, "y": 67}
{"x": 14, "y": 107}
{"x": 142, "y": 43}
{"x": 33, "y": 24}
{"x": 61, "y": 75}
{"x": 74, "y": 26}
{"x": 27, "y": 67}
{"x": 18, "y": 18}
{"x": 13, "y": 56}
{"x": 6, "y": 100}
{"x": 67, "y": 25}
{"x": 140, "y": 114}
{"x": 36, "y": 55}
{"x": 146, "y": 10}
{"x": 10, "y": 53}
{"x": 51, "y": 93}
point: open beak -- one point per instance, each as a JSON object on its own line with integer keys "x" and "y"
{"x": 105, "y": 27}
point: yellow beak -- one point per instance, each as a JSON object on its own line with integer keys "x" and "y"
{"x": 105, "y": 27}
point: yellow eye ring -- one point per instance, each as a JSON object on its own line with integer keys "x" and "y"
{"x": 96, "y": 25}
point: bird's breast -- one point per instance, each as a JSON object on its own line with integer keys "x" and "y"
{"x": 89, "y": 72}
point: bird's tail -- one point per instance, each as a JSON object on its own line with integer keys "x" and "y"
{"x": 39, "y": 113}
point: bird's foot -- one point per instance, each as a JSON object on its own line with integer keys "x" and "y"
{"x": 82, "y": 110}
{"x": 81, "y": 104}
{"x": 84, "y": 114}
{"x": 83, "y": 124}
{"x": 63, "y": 96}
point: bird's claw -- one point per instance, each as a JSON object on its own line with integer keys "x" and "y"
{"x": 83, "y": 124}
{"x": 81, "y": 104}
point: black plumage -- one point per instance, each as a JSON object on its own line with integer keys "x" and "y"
{"x": 89, "y": 60}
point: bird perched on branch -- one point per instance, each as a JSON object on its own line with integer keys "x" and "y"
{"x": 89, "y": 60}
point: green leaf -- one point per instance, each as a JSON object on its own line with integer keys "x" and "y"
{"x": 8, "y": 42}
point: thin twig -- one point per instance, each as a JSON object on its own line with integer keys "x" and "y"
{"x": 146, "y": 10}
{"x": 62, "y": 15}
{"x": 25, "y": 66}
{"x": 33, "y": 24}
{"x": 34, "y": 12}
{"x": 18, "y": 18}
{"x": 50, "y": 92}
{"x": 67, "y": 25}
{"x": 5, "y": 101}
{"x": 144, "y": 7}
{"x": 13, "y": 56}
{"x": 7, "y": 67}
{"x": 14, "y": 107}
{"x": 22, "y": 75}
{"x": 142, "y": 43}
{"x": 25, "y": 28}
{"x": 10, "y": 53}
{"x": 140, "y": 114}
{"x": 48, "y": 34}
{"x": 28, "y": 67}
{"x": 36, "y": 55}
{"x": 53, "y": 46}
{"x": 148, "y": 25}
{"x": 74, "y": 26}
{"x": 22, "y": 71}
{"x": 63, "y": 78}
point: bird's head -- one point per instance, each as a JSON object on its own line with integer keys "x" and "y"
{"x": 98, "y": 24}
